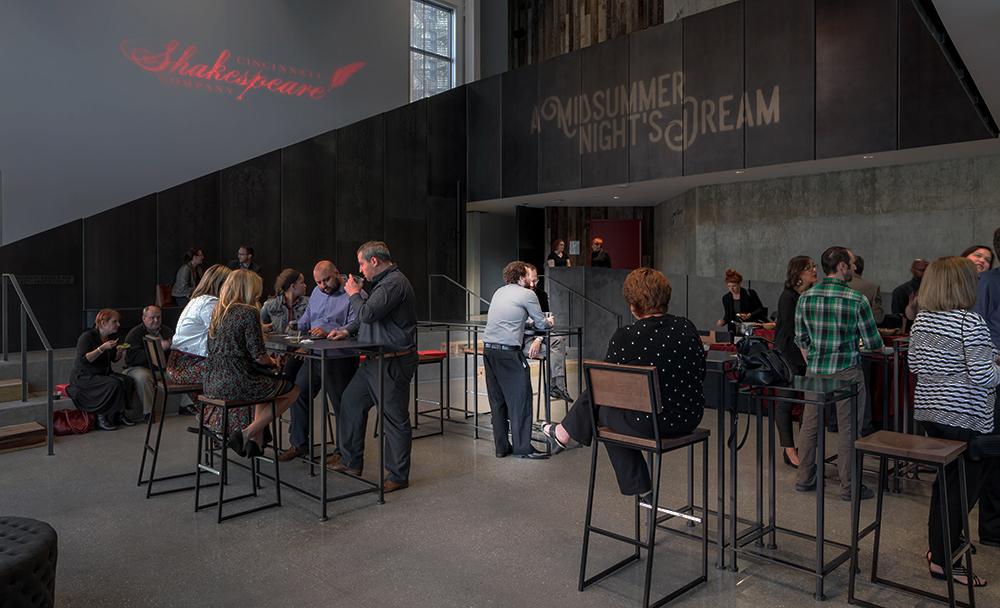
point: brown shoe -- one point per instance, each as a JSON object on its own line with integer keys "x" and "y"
{"x": 290, "y": 453}
{"x": 392, "y": 486}
{"x": 334, "y": 465}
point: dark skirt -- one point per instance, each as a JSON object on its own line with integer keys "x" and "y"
{"x": 101, "y": 394}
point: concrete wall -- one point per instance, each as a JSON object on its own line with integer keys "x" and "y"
{"x": 889, "y": 215}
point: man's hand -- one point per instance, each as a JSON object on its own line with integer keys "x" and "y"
{"x": 351, "y": 286}
{"x": 339, "y": 334}
{"x": 318, "y": 332}
{"x": 535, "y": 348}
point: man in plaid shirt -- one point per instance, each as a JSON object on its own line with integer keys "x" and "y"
{"x": 830, "y": 320}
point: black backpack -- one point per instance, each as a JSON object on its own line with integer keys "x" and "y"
{"x": 758, "y": 362}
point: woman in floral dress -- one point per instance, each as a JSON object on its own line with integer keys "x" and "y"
{"x": 235, "y": 341}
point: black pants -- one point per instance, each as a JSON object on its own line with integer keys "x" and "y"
{"x": 630, "y": 465}
{"x": 338, "y": 374}
{"x": 976, "y": 475}
{"x": 508, "y": 384}
{"x": 358, "y": 399}
{"x": 989, "y": 501}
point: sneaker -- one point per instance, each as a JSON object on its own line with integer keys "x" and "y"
{"x": 866, "y": 493}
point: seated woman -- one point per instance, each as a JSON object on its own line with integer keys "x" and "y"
{"x": 189, "y": 351}
{"x": 235, "y": 342}
{"x": 188, "y": 276}
{"x": 93, "y": 387}
{"x": 669, "y": 343}
{"x": 957, "y": 372}
{"x": 740, "y": 304}
{"x": 288, "y": 303}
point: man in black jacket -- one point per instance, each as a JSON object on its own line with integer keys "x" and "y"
{"x": 136, "y": 359}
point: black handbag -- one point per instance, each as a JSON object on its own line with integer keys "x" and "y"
{"x": 759, "y": 363}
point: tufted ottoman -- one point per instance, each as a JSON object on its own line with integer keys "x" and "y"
{"x": 28, "y": 554}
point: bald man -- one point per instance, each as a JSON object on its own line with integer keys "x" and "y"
{"x": 329, "y": 311}
{"x": 136, "y": 360}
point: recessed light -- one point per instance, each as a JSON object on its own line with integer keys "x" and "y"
{"x": 616, "y": 197}
{"x": 868, "y": 156}
{"x": 625, "y": 186}
{"x": 558, "y": 200}
{"x": 740, "y": 171}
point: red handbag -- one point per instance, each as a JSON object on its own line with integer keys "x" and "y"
{"x": 71, "y": 422}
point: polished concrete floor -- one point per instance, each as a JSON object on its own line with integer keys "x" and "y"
{"x": 471, "y": 530}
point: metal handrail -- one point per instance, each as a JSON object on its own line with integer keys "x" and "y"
{"x": 456, "y": 284}
{"x": 585, "y": 298}
{"x": 28, "y": 314}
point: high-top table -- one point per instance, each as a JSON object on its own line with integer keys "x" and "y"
{"x": 320, "y": 350}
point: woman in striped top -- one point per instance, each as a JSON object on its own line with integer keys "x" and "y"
{"x": 956, "y": 367}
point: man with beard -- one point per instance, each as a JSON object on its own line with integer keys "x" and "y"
{"x": 329, "y": 311}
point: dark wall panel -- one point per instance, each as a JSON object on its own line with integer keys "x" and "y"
{"x": 780, "y": 78}
{"x": 360, "y": 189}
{"x": 406, "y": 161}
{"x": 558, "y": 118}
{"x": 309, "y": 204}
{"x": 714, "y": 80}
{"x": 50, "y": 256}
{"x": 656, "y": 63}
{"x": 445, "y": 244}
{"x": 520, "y": 137}
{"x": 856, "y": 46}
{"x": 188, "y": 216}
{"x": 119, "y": 253}
{"x": 446, "y": 136}
{"x": 604, "y": 141}
{"x": 406, "y": 192}
{"x": 251, "y": 213}
{"x": 934, "y": 108}
{"x": 485, "y": 139}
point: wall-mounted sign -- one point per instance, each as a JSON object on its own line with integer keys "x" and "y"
{"x": 235, "y": 75}
{"x": 615, "y": 117}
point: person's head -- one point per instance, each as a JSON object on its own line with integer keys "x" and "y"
{"x": 193, "y": 256}
{"x": 647, "y": 292}
{"x": 291, "y": 282}
{"x": 107, "y": 321}
{"x": 373, "y": 258}
{"x": 211, "y": 283}
{"x": 838, "y": 262}
{"x": 558, "y": 245}
{"x": 242, "y": 287}
{"x": 596, "y": 244}
{"x": 245, "y": 254}
{"x": 917, "y": 268}
{"x": 949, "y": 284}
{"x": 859, "y": 265}
{"x": 981, "y": 256}
{"x": 327, "y": 277}
{"x": 518, "y": 272}
{"x": 801, "y": 271}
{"x": 530, "y": 280}
{"x": 152, "y": 318}
{"x": 734, "y": 281}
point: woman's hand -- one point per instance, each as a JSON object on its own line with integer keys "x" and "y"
{"x": 110, "y": 344}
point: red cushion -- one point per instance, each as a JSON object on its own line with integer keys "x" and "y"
{"x": 59, "y": 390}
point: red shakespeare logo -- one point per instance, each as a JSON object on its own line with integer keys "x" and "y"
{"x": 180, "y": 69}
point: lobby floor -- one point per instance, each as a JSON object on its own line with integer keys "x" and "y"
{"x": 471, "y": 530}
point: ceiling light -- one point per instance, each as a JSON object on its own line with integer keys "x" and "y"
{"x": 558, "y": 200}
{"x": 740, "y": 171}
{"x": 868, "y": 156}
{"x": 624, "y": 186}
{"x": 616, "y": 197}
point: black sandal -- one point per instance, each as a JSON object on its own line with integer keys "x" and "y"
{"x": 549, "y": 430}
{"x": 956, "y": 572}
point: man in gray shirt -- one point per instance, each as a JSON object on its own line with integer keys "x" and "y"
{"x": 387, "y": 316}
{"x": 508, "y": 382}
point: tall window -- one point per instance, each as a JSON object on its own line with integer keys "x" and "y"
{"x": 432, "y": 49}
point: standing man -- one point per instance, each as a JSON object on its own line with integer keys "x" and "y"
{"x": 388, "y": 316}
{"x": 830, "y": 319}
{"x": 508, "y": 381}
{"x": 870, "y": 290}
{"x": 598, "y": 257}
{"x": 903, "y": 295}
{"x": 137, "y": 361}
{"x": 329, "y": 311}
{"x": 244, "y": 260}
{"x": 988, "y": 307}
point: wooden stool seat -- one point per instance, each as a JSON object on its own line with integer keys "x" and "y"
{"x": 666, "y": 445}
{"x": 911, "y": 447}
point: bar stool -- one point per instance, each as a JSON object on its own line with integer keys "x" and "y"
{"x": 636, "y": 388}
{"x": 937, "y": 453}
{"x": 429, "y": 357}
{"x": 226, "y": 405}
{"x": 158, "y": 366}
